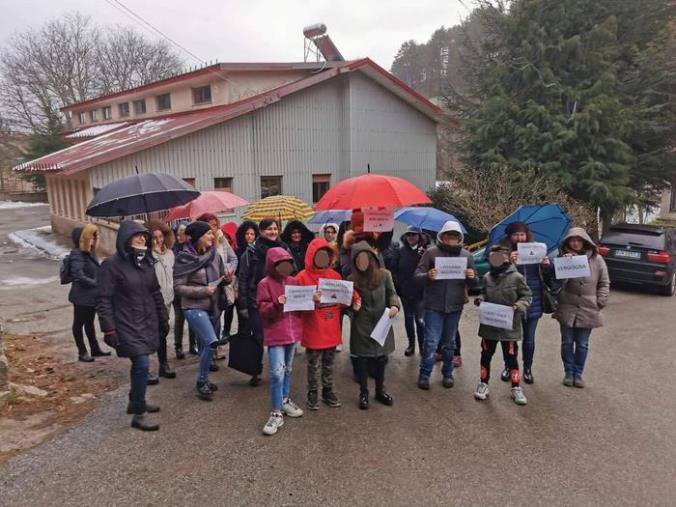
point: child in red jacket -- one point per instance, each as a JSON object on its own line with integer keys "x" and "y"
{"x": 281, "y": 331}
{"x": 321, "y": 328}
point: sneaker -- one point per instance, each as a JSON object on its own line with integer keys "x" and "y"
{"x": 275, "y": 422}
{"x": 518, "y": 396}
{"x": 568, "y": 380}
{"x": 481, "y": 392}
{"x": 339, "y": 348}
{"x": 578, "y": 382}
{"x": 330, "y": 398}
{"x": 505, "y": 376}
{"x": 528, "y": 376}
{"x": 448, "y": 382}
{"x": 204, "y": 392}
{"x": 424, "y": 383}
{"x": 312, "y": 401}
{"x": 291, "y": 409}
{"x": 457, "y": 361}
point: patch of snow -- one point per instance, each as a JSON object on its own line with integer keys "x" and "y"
{"x": 23, "y": 281}
{"x": 40, "y": 239}
{"x": 96, "y": 130}
{"x": 19, "y": 204}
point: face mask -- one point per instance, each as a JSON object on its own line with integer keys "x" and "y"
{"x": 322, "y": 259}
{"x": 284, "y": 268}
{"x": 362, "y": 262}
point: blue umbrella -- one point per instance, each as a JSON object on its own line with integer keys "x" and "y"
{"x": 335, "y": 216}
{"x": 431, "y": 219}
{"x": 548, "y": 224}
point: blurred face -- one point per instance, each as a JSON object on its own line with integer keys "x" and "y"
{"x": 284, "y": 268}
{"x": 412, "y": 239}
{"x": 330, "y": 234}
{"x": 92, "y": 242}
{"x": 180, "y": 235}
{"x": 362, "y": 261}
{"x": 322, "y": 259}
{"x": 296, "y": 236}
{"x": 271, "y": 233}
{"x": 497, "y": 259}
{"x": 450, "y": 239}
{"x": 249, "y": 236}
{"x": 206, "y": 241}
{"x": 158, "y": 241}
{"x": 519, "y": 237}
{"x": 576, "y": 244}
{"x": 138, "y": 240}
{"x": 214, "y": 225}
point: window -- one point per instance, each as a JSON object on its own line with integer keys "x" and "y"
{"x": 123, "y": 109}
{"x": 83, "y": 118}
{"x": 271, "y": 185}
{"x": 320, "y": 185}
{"x": 140, "y": 106}
{"x": 107, "y": 113}
{"x": 190, "y": 181}
{"x": 92, "y": 115}
{"x": 201, "y": 95}
{"x": 163, "y": 102}
{"x": 223, "y": 184}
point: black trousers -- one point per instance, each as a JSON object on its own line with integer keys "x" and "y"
{"x": 83, "y": 317}
{"x": 179, "y": 324}
{"x": 377, "y": 365}
{"x": 510, "y": 351}
{"x": 228, "y": 316}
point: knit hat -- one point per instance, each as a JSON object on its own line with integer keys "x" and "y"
{"x": 515, "y": 227}
{"x": 412, "y": 229}
{"x": 196, "y": 230}
{"x": 357, "y": 221}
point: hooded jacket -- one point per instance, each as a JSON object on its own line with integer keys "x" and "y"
{"x": 239, "y": 237}
{"x": 279, "y": 327}
{"x": 581, "y": 300}
{"x": 534, "y": 276}
{"x": 164, "y": 263}
{"x": 321, "y": 328}
{"x": 508, "y": 288}
{"x": 84, "y": 267}
{"x": 404, "y": 264}
{"x": 252, "y": 270}
{"x": 444, "y": 295}
{"x": 373, "y": 304}
{"x": 327, "y": 225}
{"x": 130, "y": 301}
{"x": 297, "y": 250}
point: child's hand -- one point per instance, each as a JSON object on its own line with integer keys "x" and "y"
{"x": 432, "y": 274}
{"x": 546, "y": 262}
{"x": 281, "y": 299}
{"x": 356, "y": 306}
{"x": 514, "y": 257}
{"x": 515, "y": 307}
{"x": 470, "y": 274}
{"x": 477, "y": 301}
{"x": 393, "y": 312}
{"x": 317, "y": 296}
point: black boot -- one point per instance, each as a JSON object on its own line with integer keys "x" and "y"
{"x": 179, "y": 353}
{"x": 100, "y": 353}
{"x": 141, "y": 423}
{"x": 85, "y": 358}
{"x": 153, "y": 380}
{"x": 363, "y": 399}
{"x": 166, "y": 371}
{"x": 410, "y": 350}
{"x": 384, "y": 398}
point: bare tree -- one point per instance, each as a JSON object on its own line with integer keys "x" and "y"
{"x": 67, "y": 61}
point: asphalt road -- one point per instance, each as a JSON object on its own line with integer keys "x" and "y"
{"x": 612, "y": 443}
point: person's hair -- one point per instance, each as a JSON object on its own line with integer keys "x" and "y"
{"x": 372, "y": 277}
{"x": 208, "y": 217}
{"x": 265, "y": 223}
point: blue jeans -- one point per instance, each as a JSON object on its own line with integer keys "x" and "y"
{"x": 528, "y": 351}
{"x": 202, "y": 325}
{"x": 139, "y": 382}
{"x": 413, "y": 321}
{"x": 574, "y": 349}
{"x": 281, "y": 365}
{"x": 440, "y": 329}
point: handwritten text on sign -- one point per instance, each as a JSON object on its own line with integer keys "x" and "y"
{"x": 499, "y": 316}
{"x": 575, "y": 266}
{"x": 337, "y": 292}
{"x": 531, "y": 253}
{"x": 450, "y": 268}
{"x": 299, "y": 298}
{"x": 378, "y": 220}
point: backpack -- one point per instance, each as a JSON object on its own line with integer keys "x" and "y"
{"x": 64, "y": 271}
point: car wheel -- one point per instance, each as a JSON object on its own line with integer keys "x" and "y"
{"x": 670, "y": 288}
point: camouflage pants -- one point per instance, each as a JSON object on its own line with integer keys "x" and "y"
{"x": 316, "y": 359}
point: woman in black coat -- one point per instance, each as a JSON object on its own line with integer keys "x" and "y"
{"x": 132, "y": 312}
{"x": 83, "y": 267}
{"x": 297, "y": 237}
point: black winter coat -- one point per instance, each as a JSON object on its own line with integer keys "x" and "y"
{"x": 252, "y": 270}
{"x": 84, "y": 269}
{"x": 130, "y": 301}
{"x": 404, "y": 264}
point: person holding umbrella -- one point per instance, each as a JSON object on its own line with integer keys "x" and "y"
{"x": 132, "y": 313}
{"x": 297, "y": 238}
{"x": 199, "y": 277}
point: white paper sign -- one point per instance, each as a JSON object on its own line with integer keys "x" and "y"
{"x": 378, "y": 220}
{"x": 500, "y": 316}
{"x": 575, "y": 266}
{"x": 450, "y": 268}
{"x": 382, "y": 328}
{"x": 337, "y": 292}
{"x": 531, "y": 253}
{"x": 299, "y": 297}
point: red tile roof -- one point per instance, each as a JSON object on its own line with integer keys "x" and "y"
{"x": 152, "y": 132}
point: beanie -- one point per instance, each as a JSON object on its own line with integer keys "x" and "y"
{"x": 515, "y": 227}
{"x": 196, "y": 230}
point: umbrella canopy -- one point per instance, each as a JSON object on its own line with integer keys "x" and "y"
{"x": 548, "y": 224}
{"x": 335, "y": 216}
{"x": 213, "y": 201}
{"x": 372, "y": 191}
{"x": 140, "y": 193}
{"x": 283, "y": 207}
{"x": 431, "y": 219}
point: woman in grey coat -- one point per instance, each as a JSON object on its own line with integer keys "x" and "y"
{"x": 579, "y": 305}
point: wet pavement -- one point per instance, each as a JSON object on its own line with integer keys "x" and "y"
{"x": 612, "y": 443}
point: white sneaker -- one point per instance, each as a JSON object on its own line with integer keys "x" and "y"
{"x": 518, "y": 396}
{"x": 291, "y": 409}
{"x": 339, "y": 348}
{"x": 481, "y": 392}
{"x": 275, "y": 422}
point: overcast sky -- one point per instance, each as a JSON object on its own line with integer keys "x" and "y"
{"x": 258, "y": 30}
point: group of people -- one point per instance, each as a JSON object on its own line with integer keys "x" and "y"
{"x": 208, "y": 272}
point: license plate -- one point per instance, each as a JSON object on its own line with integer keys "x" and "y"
{"x": 628, "y": 255}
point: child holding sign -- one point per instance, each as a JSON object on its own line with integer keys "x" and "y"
{"x": 321, "y": 327}
{"x": 506, "y": 287}
{"x": 281, "y": 331}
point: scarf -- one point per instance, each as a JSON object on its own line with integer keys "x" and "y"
{"x": 189, "y": 260}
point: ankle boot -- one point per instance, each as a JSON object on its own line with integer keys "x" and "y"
{"x": 179, "y": 353}
{"x": 384, "y": 398}
{"x": 410, "y": 350}
{"x": 85, "y": 358}
{"x": 166, "y": 371}
{"x": 153, "y": 380}
{"x": 363, "y": 400}
{"x": 141, "y": 422}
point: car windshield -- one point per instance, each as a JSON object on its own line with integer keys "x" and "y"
{"x": 634, "y": 238}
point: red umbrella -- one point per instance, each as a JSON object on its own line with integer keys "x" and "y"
{"x": 372, "y": 191}
{"x": 208, "y": 202}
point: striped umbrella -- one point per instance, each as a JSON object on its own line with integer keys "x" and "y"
{"x": 283, "y": 207}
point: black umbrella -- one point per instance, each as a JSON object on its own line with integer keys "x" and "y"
{"x": 140, "y": 193}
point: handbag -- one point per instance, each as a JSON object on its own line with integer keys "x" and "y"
{"x": 246, "y": 354}
{"x": 550, "y": 300}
